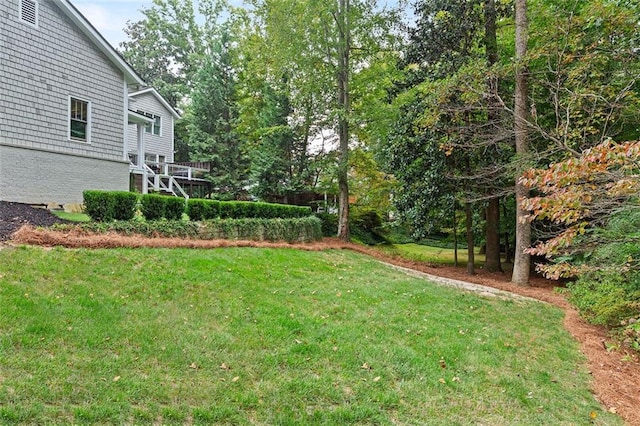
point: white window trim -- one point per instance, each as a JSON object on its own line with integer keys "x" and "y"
{"x": 36, "y": 12}
{"x": 89, "y": 120}
{"x": 153, "y": 116}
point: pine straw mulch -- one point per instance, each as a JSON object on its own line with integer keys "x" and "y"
{"x": 616, "y": 373}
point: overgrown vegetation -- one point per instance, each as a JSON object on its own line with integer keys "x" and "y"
{"x": 593, "y": 202}
{"x": 304, "y": 229}
{"x": 272, "y": 336}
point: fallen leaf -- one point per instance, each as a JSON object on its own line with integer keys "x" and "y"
{"x": 235, "y": 379}
{"x": 193, "y": 365}
{"x": 115, "y": 379}
{"x": 456, "y": 379}
{"x": 224, "y": 366}
{"x": 613, "y": 410}
{"x": 375, "y": 379}
{"x": 443, "y": 381}
{"x": 366, "y": 366}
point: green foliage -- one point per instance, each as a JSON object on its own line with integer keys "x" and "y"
{"x": 98, "y": 205}
{"x": 329, "y": 224}
{"x": 153, "y": 206}
{"x": 124, "y": 205}
{"x": 105, "y": 206}
{"x": 213, "y": 116}
{"x": 174, "y": 207}
{"x": 607, "y": 297}
{"x": 196, "y": 209}
{"x": 607, "y": 290}
{"x": 199, "y": 209}
{"x": 300, "y": 229}
{"x": 365, "y": 225}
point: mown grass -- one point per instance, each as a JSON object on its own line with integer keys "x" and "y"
{"x": 272, "y": 336}
{"x": 73, "y": 217}
{"x": 437, "y": 255}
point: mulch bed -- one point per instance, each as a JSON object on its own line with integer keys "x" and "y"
{"x": 616, "y": 373}
{"x": 14, "y": 215}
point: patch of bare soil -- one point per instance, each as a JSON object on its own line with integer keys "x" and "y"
{"x": 616, "y": 373}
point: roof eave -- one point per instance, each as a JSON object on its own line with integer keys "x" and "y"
{"x": 158, "y": 96}
{"x": 130, "y": 75}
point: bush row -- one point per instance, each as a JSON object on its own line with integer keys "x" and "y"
{"x": 201, "y": 209}
{"x": 105, "y": 206}
{"x": 292, "y": 230}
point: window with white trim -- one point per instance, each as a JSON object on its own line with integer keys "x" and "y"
{"x": 154, "y": 128}
{"x": 29, "y": 12}
{"x": 79, "y": 120}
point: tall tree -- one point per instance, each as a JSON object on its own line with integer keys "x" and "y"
{"x": 492, "y": 262}
{"x": 343, "y": 26}
{"x": 329, "y": 43}
{"x": 451, "y": 58}
{"x": 212, "y": 118}
{"x": 522, "y": 262}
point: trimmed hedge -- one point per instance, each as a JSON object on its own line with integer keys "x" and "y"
{"x": 201, "y": 209}
{"x": 293, "y": 230}
{"x": 152, "y": 206}
{"x": 105, "y": 206}
{"x": 174, "y": 207}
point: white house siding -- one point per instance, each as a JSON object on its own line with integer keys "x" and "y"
{"x": 154, "y": 144}
{"x": 60, "y": 177}
{"x": 40, "y": 68}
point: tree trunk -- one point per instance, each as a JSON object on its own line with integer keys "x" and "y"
{"x": 507, "y": 243}
{"x": 455, "y": 237}
{"x": 492, "y": 260}
{"x": 470, "y": 240}
{"x": 492, "y": 213}
{"x": 522, "y": 261}
{"x": 342, "y": 21}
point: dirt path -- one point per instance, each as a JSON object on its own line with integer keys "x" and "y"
{"x": 616, "y": 373}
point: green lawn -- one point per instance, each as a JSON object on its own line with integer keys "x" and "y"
{"x": 431, "y": 254}
{"x": 272, "y": 337}
{"x": 74, "y": 217}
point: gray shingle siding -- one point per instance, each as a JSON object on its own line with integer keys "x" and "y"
{"x": 41, "y": 68}
{"x": 156, "y": 144}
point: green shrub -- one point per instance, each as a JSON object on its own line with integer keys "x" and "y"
{"x": 174, "y": 207}
{"x": 212, "y": 210}
{"x": 305, "y": 229}
{"x": 98, "y": 205}
{"x": 199, "y": 209}
{"x": 196, "y": 209}
{"x": 607, "y": 297}
{"x": 226, "y": 209}
{"x": 124, "y": 204}
{"x": 329, "y": 224}
{"x": 152, "y": 206}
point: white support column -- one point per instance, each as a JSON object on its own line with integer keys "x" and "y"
{"x": 141, "y": 165}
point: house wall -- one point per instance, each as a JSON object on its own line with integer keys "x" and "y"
{"x": 35, "y": 176}
{"x": 154, "y": 144}
{"x": 40, "y": 69}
